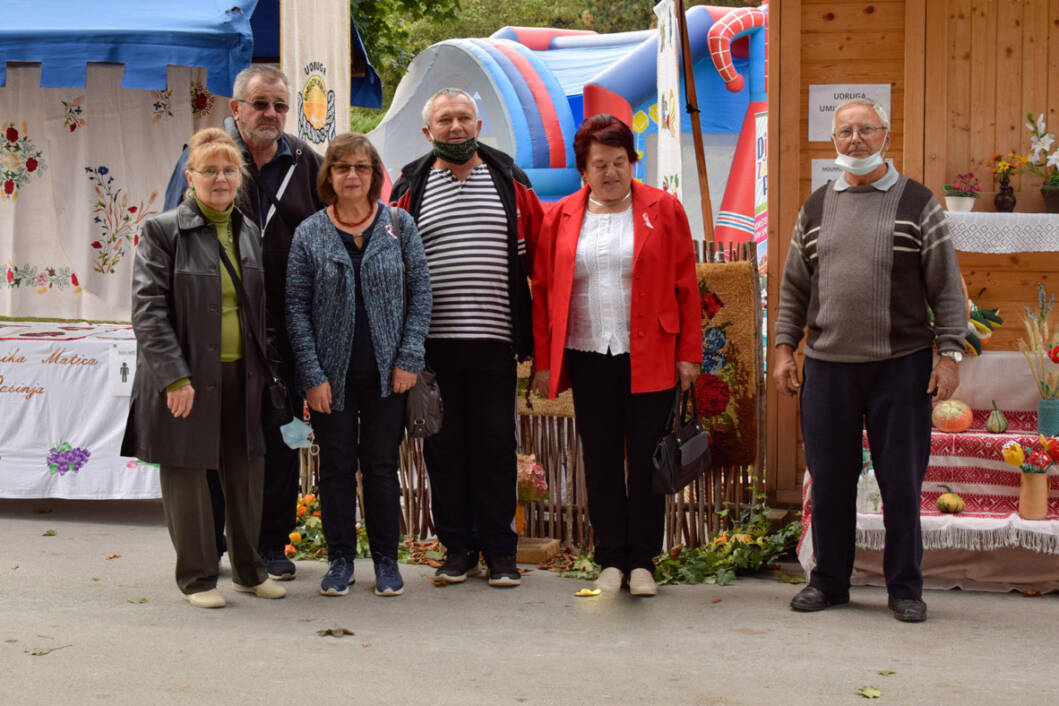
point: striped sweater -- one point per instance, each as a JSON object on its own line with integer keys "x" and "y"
{"x": 864, "y": 265}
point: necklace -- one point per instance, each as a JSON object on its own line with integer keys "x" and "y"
{"x": 354, "y": 224}
{"x": 608, "y": 205}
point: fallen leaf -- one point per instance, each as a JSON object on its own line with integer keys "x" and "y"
{"x": 14, "y": 567}
{"x": 717, "y": 600}
{"x": 588, "y": 593}
{"x": 1031, "y": 593}
{"x": 886, "y": 672}
{"x": 366, "y": 644}
{"x": 49, "y": 533}
{"x": 95, "y": 578}
{"x": 137, "y": 600}
{"x": 784, "y": 577}
{"x": 42, "y": 510}
{"x": 869, "y": 692}
{"x": 334, "y": 632}
{"x": 41, "y": 651}
{"x": 113, "y": 556}
{"x": 10, "y": 640}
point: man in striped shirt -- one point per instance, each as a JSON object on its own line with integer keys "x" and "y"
{"x": 478, "y": 218}
{"x": 870, "y": 253}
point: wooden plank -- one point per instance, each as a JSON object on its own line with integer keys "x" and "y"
{"x": 1053, "y": 66}
{"x": 881, "y": 71}
{"x": 1035, "y": 80}
{"x": 1009, "y": 112}
{"x": 871, "y": 16}
{"x": 853, "y": 46}
{"x": 958, "y": 71}
{"x": 983, "y": 92}
{"x": 1010, "y": 283}
{"x": 911, "y": 151}
{"x": 936, "y": 105}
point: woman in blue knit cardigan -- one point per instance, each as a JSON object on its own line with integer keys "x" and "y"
{"x": 358, "y": 310}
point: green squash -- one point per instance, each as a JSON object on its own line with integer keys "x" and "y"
{"x": 997, "y": 422}
{"x": 950, "y": 501}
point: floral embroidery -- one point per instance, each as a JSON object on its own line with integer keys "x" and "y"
{"x": 118, "y": 222}
{"x": 43, "y": 279}
{"x": 201, "y": 100}
{"x": 713, "y": 389}
{"x": 74, "y": 113}
{"x": 63, "y": 459}
{"x": 19, "y": 160}
{"x": 162, "y": 101}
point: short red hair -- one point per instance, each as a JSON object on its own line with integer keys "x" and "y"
{"x": 605, "y": 129}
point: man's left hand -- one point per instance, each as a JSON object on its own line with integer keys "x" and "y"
{"x": 944, "y": 379}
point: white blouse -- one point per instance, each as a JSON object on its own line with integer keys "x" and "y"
{"x": 602, "y": 291}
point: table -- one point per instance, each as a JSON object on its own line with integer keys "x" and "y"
{"x": 987, "y": 546}
{"x": 64, "y": 397}
{"x": 1004, "y": 232}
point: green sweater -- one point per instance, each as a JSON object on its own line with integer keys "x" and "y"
{"x": 231, "y": 328}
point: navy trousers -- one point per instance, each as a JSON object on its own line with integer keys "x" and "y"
{"x": 838, "y": 401}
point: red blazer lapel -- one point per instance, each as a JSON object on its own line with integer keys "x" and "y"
{"x": 645, "y": 219}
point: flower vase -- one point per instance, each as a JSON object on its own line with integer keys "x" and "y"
{"x": 1033, "y": 496}
{"x": 520, "y": 519}
{"x": 960, "y": 204}
{"x": 1005, "y": 200}
{"x": 1051, "y": 198}
{"x": 1048, "y": 417}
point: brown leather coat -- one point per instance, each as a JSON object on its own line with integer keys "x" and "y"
{"x": 176, "y": 314}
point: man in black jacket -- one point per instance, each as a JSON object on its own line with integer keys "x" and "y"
{"x": 278, "y": 195}
{"x": 478, "y": 217}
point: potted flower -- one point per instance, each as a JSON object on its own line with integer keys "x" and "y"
{"x": 961, "y": 194}
{"x": 1041, "y": 349}
{"x": 1033, "y": 485}
{"x": 1041, "y": 163}
{"x": 1003, "y": 169}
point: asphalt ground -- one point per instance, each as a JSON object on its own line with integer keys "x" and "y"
{"x": 118, "y": 632}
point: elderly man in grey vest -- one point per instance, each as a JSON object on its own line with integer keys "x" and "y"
{"x": 870, "y": 253}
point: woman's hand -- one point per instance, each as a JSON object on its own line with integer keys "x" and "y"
{"x": 542, "y": 380}
{"x": 687, "y": 372}
{"x": 180, "y": 400}
{"x": 319, "y": 398}
{"x": 403, "y": 381}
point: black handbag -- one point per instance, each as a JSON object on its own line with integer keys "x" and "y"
{"x": 275, "y": 408}
{"x": 683, "y": 454}
{"x": 423, "y": 412}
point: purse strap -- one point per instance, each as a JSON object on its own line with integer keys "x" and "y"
{"x": 244, "y": 302}
{"x": 676, "y": 412}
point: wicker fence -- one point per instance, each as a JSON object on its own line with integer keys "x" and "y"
{"x": 691, "y": 516}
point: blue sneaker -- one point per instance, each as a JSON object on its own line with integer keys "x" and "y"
{"x": 338, "y": 579}
{"x": 278, "y": 566}
{"x": 388, "y": 581}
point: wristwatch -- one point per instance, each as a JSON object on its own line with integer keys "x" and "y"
{"x": 955, "y": 355}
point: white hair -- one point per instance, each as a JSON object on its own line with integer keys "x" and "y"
{"x": 873, "y": 104}
{"x": 428, "y": 107}
{"x": 269, "y": 73}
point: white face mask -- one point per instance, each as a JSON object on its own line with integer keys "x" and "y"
{"x": 859, "y": 165}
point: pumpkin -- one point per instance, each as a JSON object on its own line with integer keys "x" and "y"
{"x": 950, "y": 501}
{"x": 951, "y": 416}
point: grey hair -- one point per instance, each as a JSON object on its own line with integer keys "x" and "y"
{"x": 269, "y": 73}
{"x": 873, "y": 104}
{"x": 428, "y": 107}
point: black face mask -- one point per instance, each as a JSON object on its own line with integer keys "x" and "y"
{"x": 456, "y": 152}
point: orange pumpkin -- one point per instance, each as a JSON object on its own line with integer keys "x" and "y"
{"x": 951, "y": 416}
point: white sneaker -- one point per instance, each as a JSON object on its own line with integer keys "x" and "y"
{"x": 266, "y": 589}
{"x": 642, "y": 583}
{"x": 205, "y": 599}
{"x": 609, "y": 580}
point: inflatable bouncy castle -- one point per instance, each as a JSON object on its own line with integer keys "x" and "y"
{"x": 534, "y": 86}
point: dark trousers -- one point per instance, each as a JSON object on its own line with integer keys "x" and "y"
{"x": 188, "y": 509}
{"x": 471, "y": 461}
{"x": 280, "y": 494}
{"x": 369, "y": 428}
{"x": 627, "y": 517}
{"x": 888, "y": 397}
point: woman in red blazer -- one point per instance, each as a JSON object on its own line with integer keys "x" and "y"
{"x": 616, "y": 316}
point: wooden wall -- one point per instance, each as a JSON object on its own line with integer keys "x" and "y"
{"x": 963, "y": 74}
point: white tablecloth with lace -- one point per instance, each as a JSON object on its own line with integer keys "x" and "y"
{"x": 1004, "y": 232}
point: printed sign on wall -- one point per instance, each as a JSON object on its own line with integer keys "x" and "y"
{"x": 824, "y": 98}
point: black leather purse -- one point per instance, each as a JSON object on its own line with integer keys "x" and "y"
{"x": 683, "y": 454}
{"x": 275, "y": 408}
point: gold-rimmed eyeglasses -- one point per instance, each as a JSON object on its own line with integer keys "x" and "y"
{"x": 213, "y": 173}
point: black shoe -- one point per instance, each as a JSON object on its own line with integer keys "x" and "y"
{"x": 278, "y": 566}
{"x": 502, "y": 571}
{"x": 908, "y": 610}
{"x": 811, "y": 599}
{"x": 457, "y": 567}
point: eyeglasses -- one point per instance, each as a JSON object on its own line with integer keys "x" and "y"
{"x": 342, "y": 169}
{"x": 865, "y": 131}
{"x": 261, "y": 105}
{"x": 212, "y": 173}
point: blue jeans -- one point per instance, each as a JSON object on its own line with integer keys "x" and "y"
{"x": 369, "y": 428}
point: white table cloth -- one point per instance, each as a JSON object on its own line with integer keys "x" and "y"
{"x": 1004, "y": 232}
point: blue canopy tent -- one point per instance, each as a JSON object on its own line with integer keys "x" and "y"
{"x": 221, "y": 35}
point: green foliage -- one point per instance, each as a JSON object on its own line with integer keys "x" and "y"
{"x": 584, "y": 568}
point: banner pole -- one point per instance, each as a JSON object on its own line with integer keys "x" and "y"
{"x": 696, "y": 127}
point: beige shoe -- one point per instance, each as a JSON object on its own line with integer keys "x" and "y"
{"x": 642, "y": 583}
{"x": 266, "y": 589}
{"x": 609, "y": 580}
{"x": 205, "y": 599}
